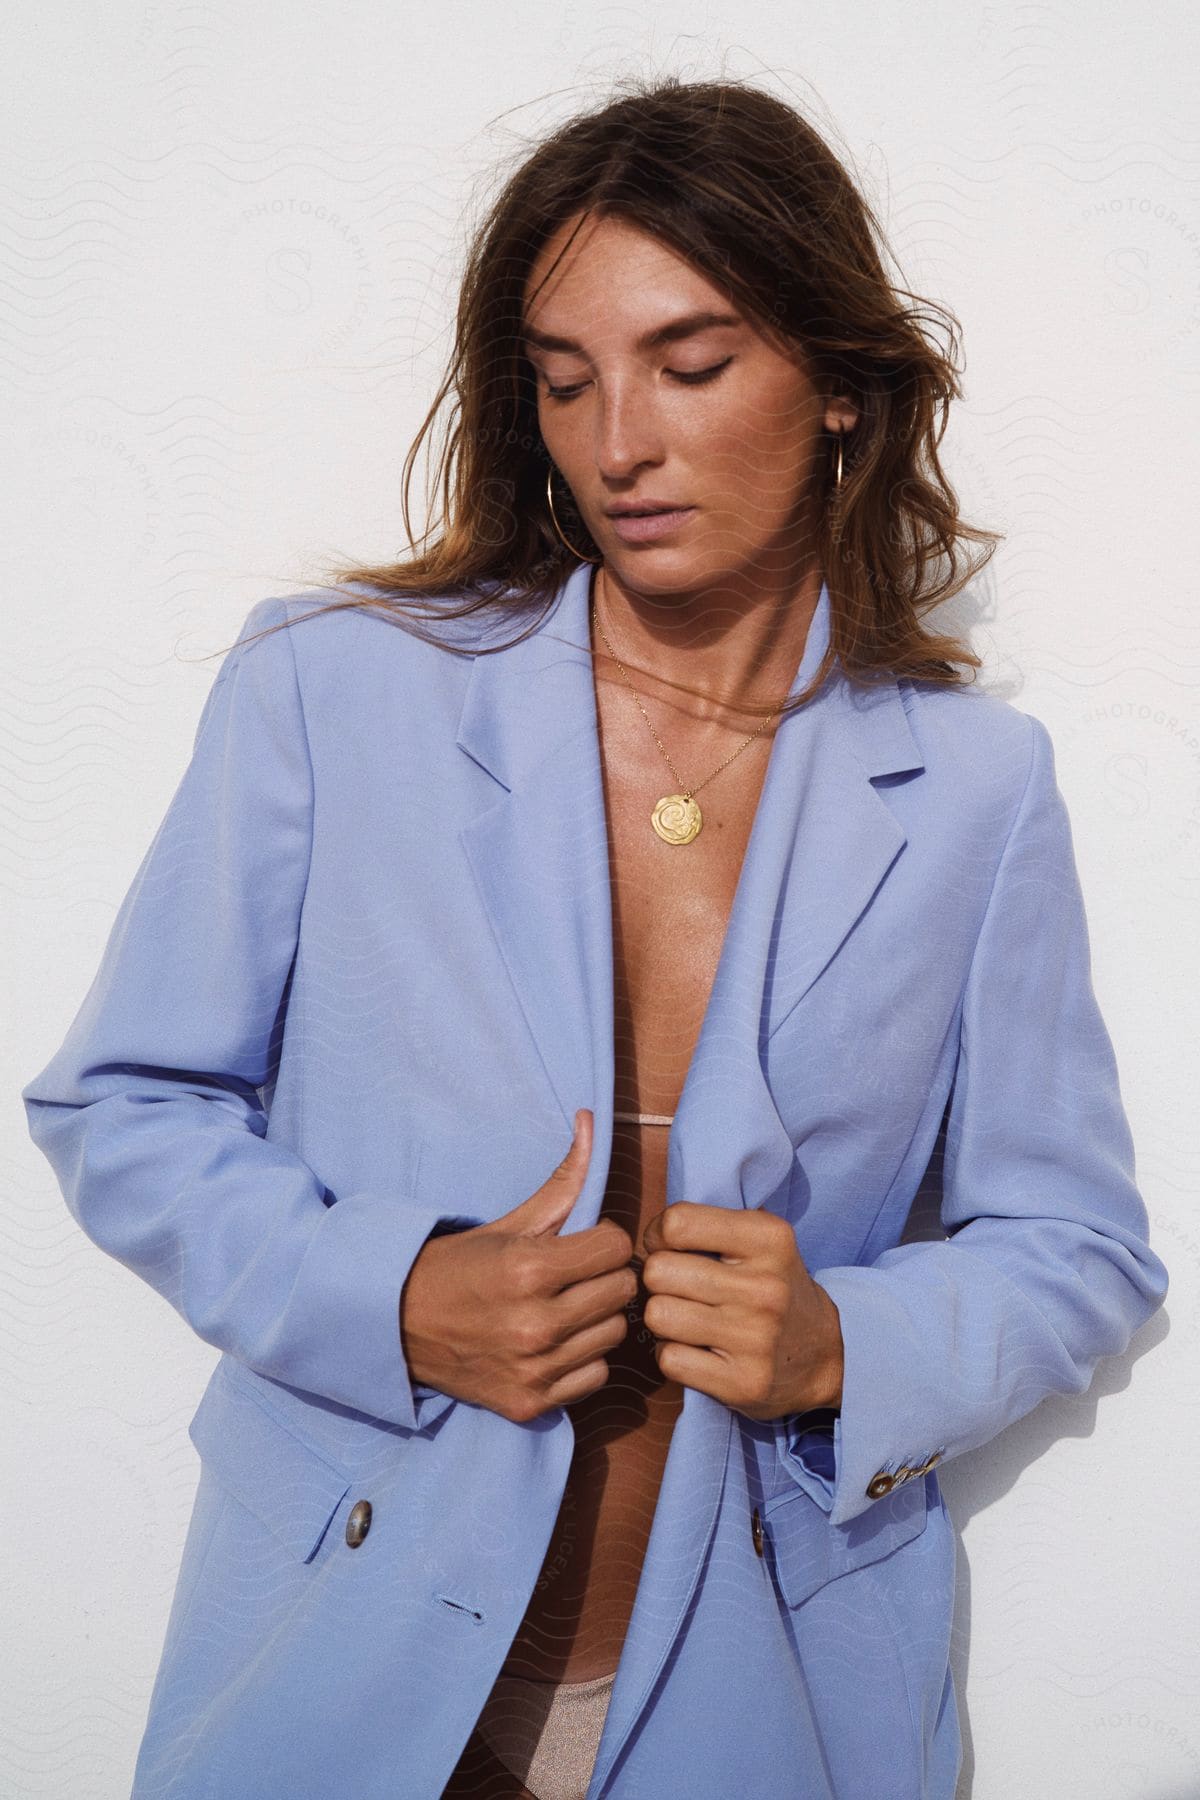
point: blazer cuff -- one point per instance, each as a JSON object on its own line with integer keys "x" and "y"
{"x": 812, "y": 1452}
{"x": 348, "y": 1289}
{"x": 891, "y": 1401}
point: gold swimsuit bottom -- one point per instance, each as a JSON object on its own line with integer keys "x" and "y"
{"x": 547, "y": 1733}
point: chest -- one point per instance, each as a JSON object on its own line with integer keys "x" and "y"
{"x": 671, "y": 903}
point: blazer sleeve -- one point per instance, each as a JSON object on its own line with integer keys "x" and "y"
{"x": 1046, "y": 1266}
{"x": 150, "y": 1113}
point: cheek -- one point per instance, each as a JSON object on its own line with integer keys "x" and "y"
{"x": 560, "y": 431}
{"x": 749, "y": 464}
{"x": 758, "y": 435}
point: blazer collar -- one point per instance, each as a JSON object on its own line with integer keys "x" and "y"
{"x": 509, "y": 743}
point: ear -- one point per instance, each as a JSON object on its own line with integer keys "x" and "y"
{"x": 841, "y": 415}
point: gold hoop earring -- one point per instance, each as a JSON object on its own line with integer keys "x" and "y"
{"x": 837, "y": 479}
{"x": 558, "y": 527}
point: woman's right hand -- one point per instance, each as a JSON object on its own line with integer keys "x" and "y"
{"x": 511, "y": 1316}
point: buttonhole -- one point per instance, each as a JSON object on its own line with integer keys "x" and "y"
{"x": 457, "y": 1606}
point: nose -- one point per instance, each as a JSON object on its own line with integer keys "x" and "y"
{"x": 628, "y": 431}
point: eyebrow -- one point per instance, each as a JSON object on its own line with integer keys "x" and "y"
{"x": 670, "y": 333}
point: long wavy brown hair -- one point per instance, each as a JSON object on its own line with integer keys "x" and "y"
{"x": 743, "y": 187}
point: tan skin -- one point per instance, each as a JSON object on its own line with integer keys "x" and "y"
{"x": 510, "y": 1315}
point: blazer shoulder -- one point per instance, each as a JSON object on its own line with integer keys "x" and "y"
{"x": 969, "y": 713}
{"x": 361, "y": 668}
{"x": 329, "y": 624}
{"x": 986, "y": 741}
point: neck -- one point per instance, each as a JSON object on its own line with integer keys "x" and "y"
{"x": 733, "y": 643}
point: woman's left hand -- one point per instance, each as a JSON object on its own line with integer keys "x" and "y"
{"x": 736, "y": 1313}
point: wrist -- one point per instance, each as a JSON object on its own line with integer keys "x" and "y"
{"x": 832, "y": 1363}
{"x": 416, "y": 1341}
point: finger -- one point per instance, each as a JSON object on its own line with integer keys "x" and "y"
{"x": 689, "y": 1322}
{"x": 579, "y": 1255}
{"x": 588, "y": 1303}
{"x": 693, "y": 1276}
{"x": 741, "y": 1233}
{"x": 580, "y": 1384}
{"x": 582, "y": 1348}
{"x": 707, "y": 1370}
{"x": 549, "y": 1208}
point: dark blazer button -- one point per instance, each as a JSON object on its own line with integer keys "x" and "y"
{"x": 359, "y": 1523}
{"x": 880, "y": 1485}
{"x": 756, "y": 1532}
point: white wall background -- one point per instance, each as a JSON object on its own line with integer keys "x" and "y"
{"x": 231, "y": 248}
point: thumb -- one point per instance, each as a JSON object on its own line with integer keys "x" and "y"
{"x": 550, "y": 1206}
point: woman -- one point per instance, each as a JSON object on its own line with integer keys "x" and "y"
{"x": 534, "y": 1136}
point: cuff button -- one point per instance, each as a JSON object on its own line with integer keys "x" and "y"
{"x": 359, "y": 1523}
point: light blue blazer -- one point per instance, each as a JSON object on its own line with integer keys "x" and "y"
{"x": 361, "y": 982}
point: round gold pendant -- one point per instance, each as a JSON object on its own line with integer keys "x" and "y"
{"x": 676, "y": 818}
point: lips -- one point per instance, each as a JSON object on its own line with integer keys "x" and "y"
{"x": 645, "y": 512}
{"x": 650, "y": 526}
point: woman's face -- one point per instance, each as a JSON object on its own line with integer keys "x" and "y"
{"x": 723, "y": 420}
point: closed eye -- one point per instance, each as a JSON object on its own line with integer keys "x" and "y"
{"x": 688, "y": 377}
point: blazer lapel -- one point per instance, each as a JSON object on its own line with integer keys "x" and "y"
{"x": 822, "y": 841}
{"x": 539, "y": 853}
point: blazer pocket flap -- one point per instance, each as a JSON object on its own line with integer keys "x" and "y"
{"x": 288, "y": 1484}
{"x": 807, "y": 1551}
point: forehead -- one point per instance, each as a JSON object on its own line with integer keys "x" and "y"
{"x": 609, "y": 268}
{"x": 672, "y": 331}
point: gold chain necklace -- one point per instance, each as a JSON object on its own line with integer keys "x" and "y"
{"x": 677, "y": 819}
